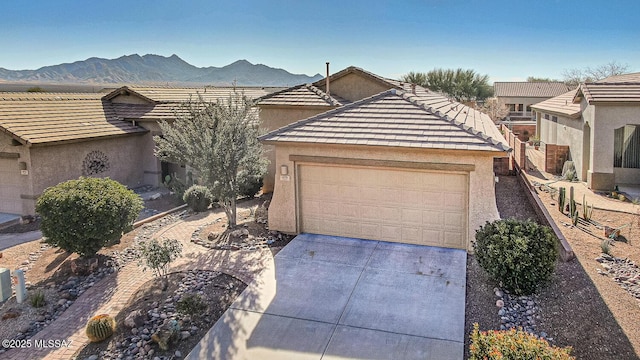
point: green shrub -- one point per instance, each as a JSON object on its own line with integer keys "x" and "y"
{"x": 191, "y": 304}
{"x": 513, "y": 344}
{"x": 198, "y": 198}
{"x": 38, "y": 300}
{"x": 83, "y": 215}
{"x": 521, "y": 255}
{"x": 604, "y": 246}
{"x": 158, "y": 256}
{"x": 249, "y": 185}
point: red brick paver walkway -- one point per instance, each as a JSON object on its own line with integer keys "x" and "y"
{"x": 112, "y": 293}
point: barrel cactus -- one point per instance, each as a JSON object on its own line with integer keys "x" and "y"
{"x": 100, "y": 327}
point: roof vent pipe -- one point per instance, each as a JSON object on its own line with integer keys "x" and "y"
{"x": 328, "y": 92}
{"x": 413, "y": 88}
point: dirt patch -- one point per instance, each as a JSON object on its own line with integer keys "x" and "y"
{"x": 579, "y": 308}
{"x": 217, "y": 294}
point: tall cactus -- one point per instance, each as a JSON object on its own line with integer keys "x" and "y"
{"x": 587, "y": 210}
{"x": 100, "y": 327}
{"x": 562, "y": 199}
{"x": 573, "y": 209}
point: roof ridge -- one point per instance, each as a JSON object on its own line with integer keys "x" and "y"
{"x": 257, "y": 100}
{"x": 329, "y": 112}
{"x": 414, "y": 99}
{"x": 326, "y": 97}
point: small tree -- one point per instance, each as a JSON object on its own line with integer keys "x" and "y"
{"x": 496, "y": 109}
{"x": 84, "y": 215}
{"x": 157, "y": 256}
{"x": 220, "y": 141}
{"x": 575, "y": 77}
{"x": 459, "y": 84}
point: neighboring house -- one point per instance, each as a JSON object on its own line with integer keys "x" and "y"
{"x": 599, "y": 123}
{"x": 519, "y": 96}
{"x": 48, "y": 138}
{"x": 380, "y": 160}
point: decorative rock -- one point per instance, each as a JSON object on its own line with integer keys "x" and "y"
{"x": 134, "y": 319}
{"x": 498, "y": 292}
{"x": 499, "y": 303}
{"x": 178, "y": 354}
{"x": 93, "y": 357}
{"x": 184, "y": 334}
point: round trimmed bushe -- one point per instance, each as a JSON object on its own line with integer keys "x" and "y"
{"x": 521, "y": 255}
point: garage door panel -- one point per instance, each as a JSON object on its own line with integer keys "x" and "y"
{"x": 389, "y": 215}
{"x": 370, "y": 231}
{"x": 433, "y": 219}
{"x": 454, "y": 201}
{"x": 411, "y": 216}
{"x": 419, "y": 207}
{"x": 453, "y": 220}
{"x": 432, "y": 199}
{"x": 452, "y": 239}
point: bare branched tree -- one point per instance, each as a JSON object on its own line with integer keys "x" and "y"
{"x": 496, "y": 109}
{"x": 575, "y": 77}
{"x": 220, "y": 141}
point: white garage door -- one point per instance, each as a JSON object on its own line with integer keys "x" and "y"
{"x": 417, "y": 207}
{"x": 10, "y": 180}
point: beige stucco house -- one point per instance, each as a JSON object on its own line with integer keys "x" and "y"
{"x": 600, "y": 124}
{"x": 49, "y": 138}
{"x": 380, "y": 160}
{"x": 519, "y": 96}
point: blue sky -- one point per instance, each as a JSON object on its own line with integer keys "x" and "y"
{"x": 508, "y": 40}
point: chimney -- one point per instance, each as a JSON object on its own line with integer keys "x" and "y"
{"x": 328, "y": 92}
{"x": 413, "y": 89}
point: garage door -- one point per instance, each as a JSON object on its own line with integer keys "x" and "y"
{"x": 417, "y": 207}
{"x": 10, "y": 180}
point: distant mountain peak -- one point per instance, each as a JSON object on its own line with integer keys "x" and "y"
{"x": 152, "y": 68}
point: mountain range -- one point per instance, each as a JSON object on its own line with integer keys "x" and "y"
{"x": 157, "y": 69}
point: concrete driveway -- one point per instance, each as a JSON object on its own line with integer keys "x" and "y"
{"x": 339, "y": 298}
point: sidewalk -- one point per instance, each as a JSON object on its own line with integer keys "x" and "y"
{"x": 10, "y": 240}
{"x": 112, "y": 293}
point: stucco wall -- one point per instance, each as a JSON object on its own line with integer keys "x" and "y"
{"x": 57, "y": 163}
{"x": 607, "y": 118}
{"x": 272, "y": 118}
{"x": 354, "y": 87}
{"x": 482, "y": 204}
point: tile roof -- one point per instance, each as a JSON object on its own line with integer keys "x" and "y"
{"x": 175, "y": 95}
{"x": 529, "y": 89}
{"x": 51, "y": 118}
{"x": 561, "y": 104}
{"x": 633, "y": 78}
{"x": 399, "y": 119}
{"x": 301, "y": 95}
{"x": 615, "y": 89}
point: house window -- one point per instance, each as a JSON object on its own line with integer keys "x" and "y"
{"x": 626, "y": 147}
{"x": 554, "y": 119}
{"x": 546, "y": 116}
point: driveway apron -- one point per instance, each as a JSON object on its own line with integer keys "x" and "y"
{"x": 330, "y": 297}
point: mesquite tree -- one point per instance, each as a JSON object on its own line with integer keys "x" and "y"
{"x": 220, "y": 141}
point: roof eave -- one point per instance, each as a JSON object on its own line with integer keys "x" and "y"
{"x": 71, "y": 141}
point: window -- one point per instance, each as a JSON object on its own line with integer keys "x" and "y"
{"x": 554, "y": 119}
{"x": 626, "y": 147}
{"x": 546, "y": 116}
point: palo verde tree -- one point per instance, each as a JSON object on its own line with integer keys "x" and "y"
{"x": 459, "y": 84}
{"x": 220, "y": 141}
{"x": 83, "y": 215}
